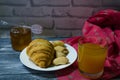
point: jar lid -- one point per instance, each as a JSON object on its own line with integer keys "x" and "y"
{"x": 36, "y": 29}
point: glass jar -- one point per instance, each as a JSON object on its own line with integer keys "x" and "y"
{"x": 20, "y": 37}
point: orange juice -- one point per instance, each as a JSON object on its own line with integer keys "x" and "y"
{"x": 91, "y": 58}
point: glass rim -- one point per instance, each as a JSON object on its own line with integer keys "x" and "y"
{"x": 95, "y": 46}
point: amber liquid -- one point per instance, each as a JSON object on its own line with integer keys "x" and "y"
{"x": 91, "y": 60}
{"x": 20, "y": 37}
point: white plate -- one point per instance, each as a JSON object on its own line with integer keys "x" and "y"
{"x": 72, "y": 56}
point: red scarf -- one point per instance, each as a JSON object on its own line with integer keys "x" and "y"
{"x": 102, "y": 28}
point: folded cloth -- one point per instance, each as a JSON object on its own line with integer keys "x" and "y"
{"x": 102, "y": 28}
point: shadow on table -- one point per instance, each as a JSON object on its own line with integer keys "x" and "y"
{"x": 46, "y": 74}
{"x": 67, "y": 71}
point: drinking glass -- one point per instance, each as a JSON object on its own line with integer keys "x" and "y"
{"x": 91, "y": 58}
{"x": 20, "y": 37}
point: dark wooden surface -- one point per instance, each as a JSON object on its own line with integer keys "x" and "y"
{"x": 12, "y": 69}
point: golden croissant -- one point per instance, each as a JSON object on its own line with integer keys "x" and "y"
{"x": 41, "y": 52}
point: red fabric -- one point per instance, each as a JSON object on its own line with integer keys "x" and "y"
{"x": 102, "y": 28}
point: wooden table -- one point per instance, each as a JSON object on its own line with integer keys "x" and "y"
{"x": 12, "y": 69}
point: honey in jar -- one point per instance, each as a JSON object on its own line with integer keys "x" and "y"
{"x": 20, "y": 37}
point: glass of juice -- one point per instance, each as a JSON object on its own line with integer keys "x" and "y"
{"x": 20, "y": 37}
{"x": 91, "y": 58}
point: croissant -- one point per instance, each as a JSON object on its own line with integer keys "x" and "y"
{"x": 58, "y": 43}
{"x": 41, "y": 52}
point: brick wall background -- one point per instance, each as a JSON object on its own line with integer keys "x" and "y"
{"x": 59, "y": 18}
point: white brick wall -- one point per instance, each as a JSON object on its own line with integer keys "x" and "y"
{"x": 64, "y": 18}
